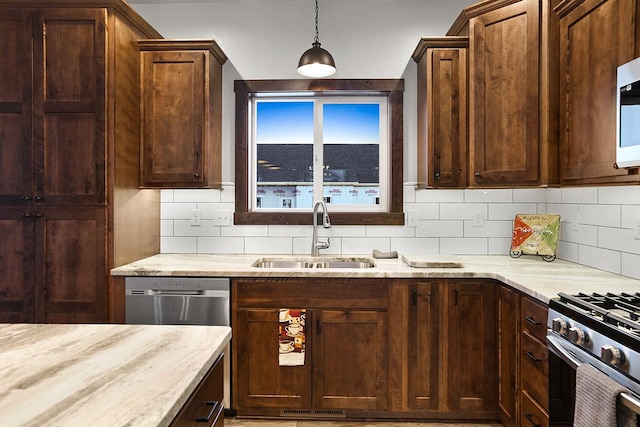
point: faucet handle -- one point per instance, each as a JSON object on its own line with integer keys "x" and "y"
{"x": 323, "y": 245}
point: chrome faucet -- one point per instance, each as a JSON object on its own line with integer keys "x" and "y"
{"x": 316, "y": 244}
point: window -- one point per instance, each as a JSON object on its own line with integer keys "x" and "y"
{"x": 298, "y": 141}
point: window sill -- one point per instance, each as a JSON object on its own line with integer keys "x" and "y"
{"x": 338, "y": 218}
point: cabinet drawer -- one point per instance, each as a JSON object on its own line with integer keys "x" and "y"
{"x": 534, "y": 319}
{"x": 534, "y": 362}
{"x": 532, "y": 415}
{"x": 205, "y": 406}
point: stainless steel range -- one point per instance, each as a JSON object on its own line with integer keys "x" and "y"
{"x": 603, "y": 331}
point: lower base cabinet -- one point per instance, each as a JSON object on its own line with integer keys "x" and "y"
{"x": 205, "y": 405}
{"x": 375, "y": 349}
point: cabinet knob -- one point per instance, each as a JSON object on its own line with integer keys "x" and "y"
{"x": 477, "y": 174}
{"x": 437, "y": 175}
{"x": 26, "y": 215}
{"x": 37, "y": 198}
{"x": 38, "y": 214}
{"x": 25, "y": 198}
{"x": 196, "y": 175}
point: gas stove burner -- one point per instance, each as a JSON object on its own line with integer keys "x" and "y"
{"x": 620, "y": 310}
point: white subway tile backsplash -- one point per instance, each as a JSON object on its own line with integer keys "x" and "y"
{"x": 488, "y": 195}
{"x": 579, "y": 195}
{"x": 624, "y": 195}
{"x": 605, "y": 219}
{"x": 440, "y": 229}
{"x": 197, "y": 195}
{"x": 425, "y": 245}
{"x": 184, "y": 228}
{"x": 464, "y": 246}
{"x": 508, "y": 211}
{"x": 530, "y": 195}
{"x": 631, "y": 265}
{"x": 178, "y": 245}
{"x": 220, "y": 245}
{"x": 602, "y": 259}
{"x": 268, "y": 245}
{"x": 351, "y": 245}
{"x": 604, "y": 215}
{"x": 439, "y": 196}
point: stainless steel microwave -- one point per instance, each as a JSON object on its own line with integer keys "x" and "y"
{"x": 628, "y": 115}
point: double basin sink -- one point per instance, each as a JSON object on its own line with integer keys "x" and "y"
{"x": 307, "y": 263}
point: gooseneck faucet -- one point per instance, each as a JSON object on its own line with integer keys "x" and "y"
{"x": 316, "y": 244}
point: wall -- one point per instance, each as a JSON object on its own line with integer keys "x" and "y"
{"x": 597, "y": 225}
{"x": 372, "y": 39}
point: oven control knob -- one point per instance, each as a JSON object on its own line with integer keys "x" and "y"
{"x": 577, "y": 336}
{"x": 559, "y": 326}
{"x": 611, "y": 355}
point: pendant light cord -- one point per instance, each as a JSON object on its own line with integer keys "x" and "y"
{"x": 317, "y": 38}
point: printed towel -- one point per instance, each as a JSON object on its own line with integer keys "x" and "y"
{"x": 596, "y": 400}
{"x": 291, "y": 337}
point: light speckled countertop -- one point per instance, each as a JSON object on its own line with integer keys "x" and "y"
{"x": 102, "y": 375}
{"x": 529, "y": 274}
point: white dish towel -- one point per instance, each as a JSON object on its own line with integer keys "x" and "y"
{"x": 596, "y": 400}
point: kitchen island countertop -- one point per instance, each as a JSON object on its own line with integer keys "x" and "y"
{"x": 102, "y": 375}
{"x": 529, "y": 274}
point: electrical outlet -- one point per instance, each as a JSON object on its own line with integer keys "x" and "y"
{"x": 636, "y": 227}
{"x": 412, "y": 218}
{"x": 222, "y": 218}
{"x": 478, "y": 220}
{"x": 195, "y": 218}
{"x": 575, "y": 223}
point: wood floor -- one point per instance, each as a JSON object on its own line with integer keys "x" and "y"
{"x": 234, "y": 422}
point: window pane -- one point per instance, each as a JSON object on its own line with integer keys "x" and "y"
{"x": 284, "y": 155}
{"x": 351, "y": 154}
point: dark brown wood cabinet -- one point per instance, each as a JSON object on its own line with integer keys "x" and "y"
{"x": 442, "y": 112}
{"x": 508, "y": 345}
{"x": 68, "y": 150}
{"x": 596, "y": 36}
{"x": 423, "y": 342}
{"x": 343, "y": 317}
{"x": 205, "y": 405}
{"x": 512, "y": 92}
{"x": 181, "y": 93}
{"x": 469, "y": 351}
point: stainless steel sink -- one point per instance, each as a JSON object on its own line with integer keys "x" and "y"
{"x": 298, "y": 263}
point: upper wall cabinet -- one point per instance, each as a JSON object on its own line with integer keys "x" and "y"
{"x": 596, "y": 36}
{"x": 442, "y": 111}
{"x": 181, "y": 94}
{"x": 512, "y": 119}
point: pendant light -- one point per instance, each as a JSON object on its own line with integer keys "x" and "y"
{"x": 316, "y": 62}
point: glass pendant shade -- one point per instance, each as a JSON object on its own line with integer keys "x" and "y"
{"x": 316, "y": 62}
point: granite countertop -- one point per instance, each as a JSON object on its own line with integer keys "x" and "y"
{"x": 102, "y": 375}
{"x": 529, "y": 274}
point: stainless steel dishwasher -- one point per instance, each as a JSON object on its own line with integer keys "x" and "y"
{"x": 182, "y": 301}
{"x": 177, "y": 301}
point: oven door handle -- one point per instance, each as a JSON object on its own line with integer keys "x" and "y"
{"x": 561, "y": 352}
{"x": 627, "y": 399}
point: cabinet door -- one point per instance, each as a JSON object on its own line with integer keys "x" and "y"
{"x": 69, "y": 105}
{"x": 504, "y": 96}
{"x": 470, "y": 361}
{"x": 424, "y": 345}
{"x": 71, "y": 275}
{"x": 350, "y": 360}
{"x": 595, "y": 38}
{"x": 16, "y": 265}
{"x": 15, "y": 106}
{"x": 259, "y": 380}
{"x": 508, "y": 328}
{"x": 442, "y": 112}
{"x": 173, "y": 112}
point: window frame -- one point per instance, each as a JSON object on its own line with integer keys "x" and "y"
{"x": 391, "y": 88}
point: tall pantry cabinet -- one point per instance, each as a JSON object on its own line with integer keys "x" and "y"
{"x": 70, "y": 207}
